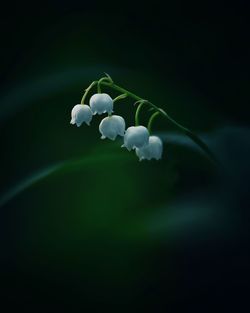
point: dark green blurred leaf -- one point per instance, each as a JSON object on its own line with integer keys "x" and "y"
{"x": 69, "y": 165}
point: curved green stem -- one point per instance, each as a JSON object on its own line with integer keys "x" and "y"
{"x": 137, "y": 112}
{"x": 87, "y": 91}
{"x": 150, "y": 122}
{"x": 192, "y": 136}
{"x": 100, "y": 81}
{"x": 122, "y": 96}
{"x": 119, "y": 89}
{"x": 185, "y": 130}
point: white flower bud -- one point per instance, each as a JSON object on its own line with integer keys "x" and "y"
{"x": 81, "y": 113}
{"x": 101, "y": 103}
{"x": 136, "y": 137}
{"x": 112, "y": 126}
{"x": 153, "y": 150}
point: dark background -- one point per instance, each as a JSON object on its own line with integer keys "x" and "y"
{"x": 84, "y": 226}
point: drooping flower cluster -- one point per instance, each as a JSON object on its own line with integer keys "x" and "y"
{"x": 135, "y": 137}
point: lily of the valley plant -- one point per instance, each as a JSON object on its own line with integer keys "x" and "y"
{"x": 136, "y": 137}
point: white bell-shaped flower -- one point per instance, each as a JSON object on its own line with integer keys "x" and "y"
{"x": 101, "y": 103}
{"x": 112, "y": 126}
{"x": 136, "y": 137}
{"x": 153, "y": 150}
{"x": 81, "y": 113}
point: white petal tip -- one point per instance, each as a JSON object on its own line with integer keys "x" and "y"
{"x": 103, "y": 137}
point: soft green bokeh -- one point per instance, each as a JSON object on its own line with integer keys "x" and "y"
{"x": 82, "y": 214}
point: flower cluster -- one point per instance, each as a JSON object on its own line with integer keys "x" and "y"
{"x": 135, "y": 137}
